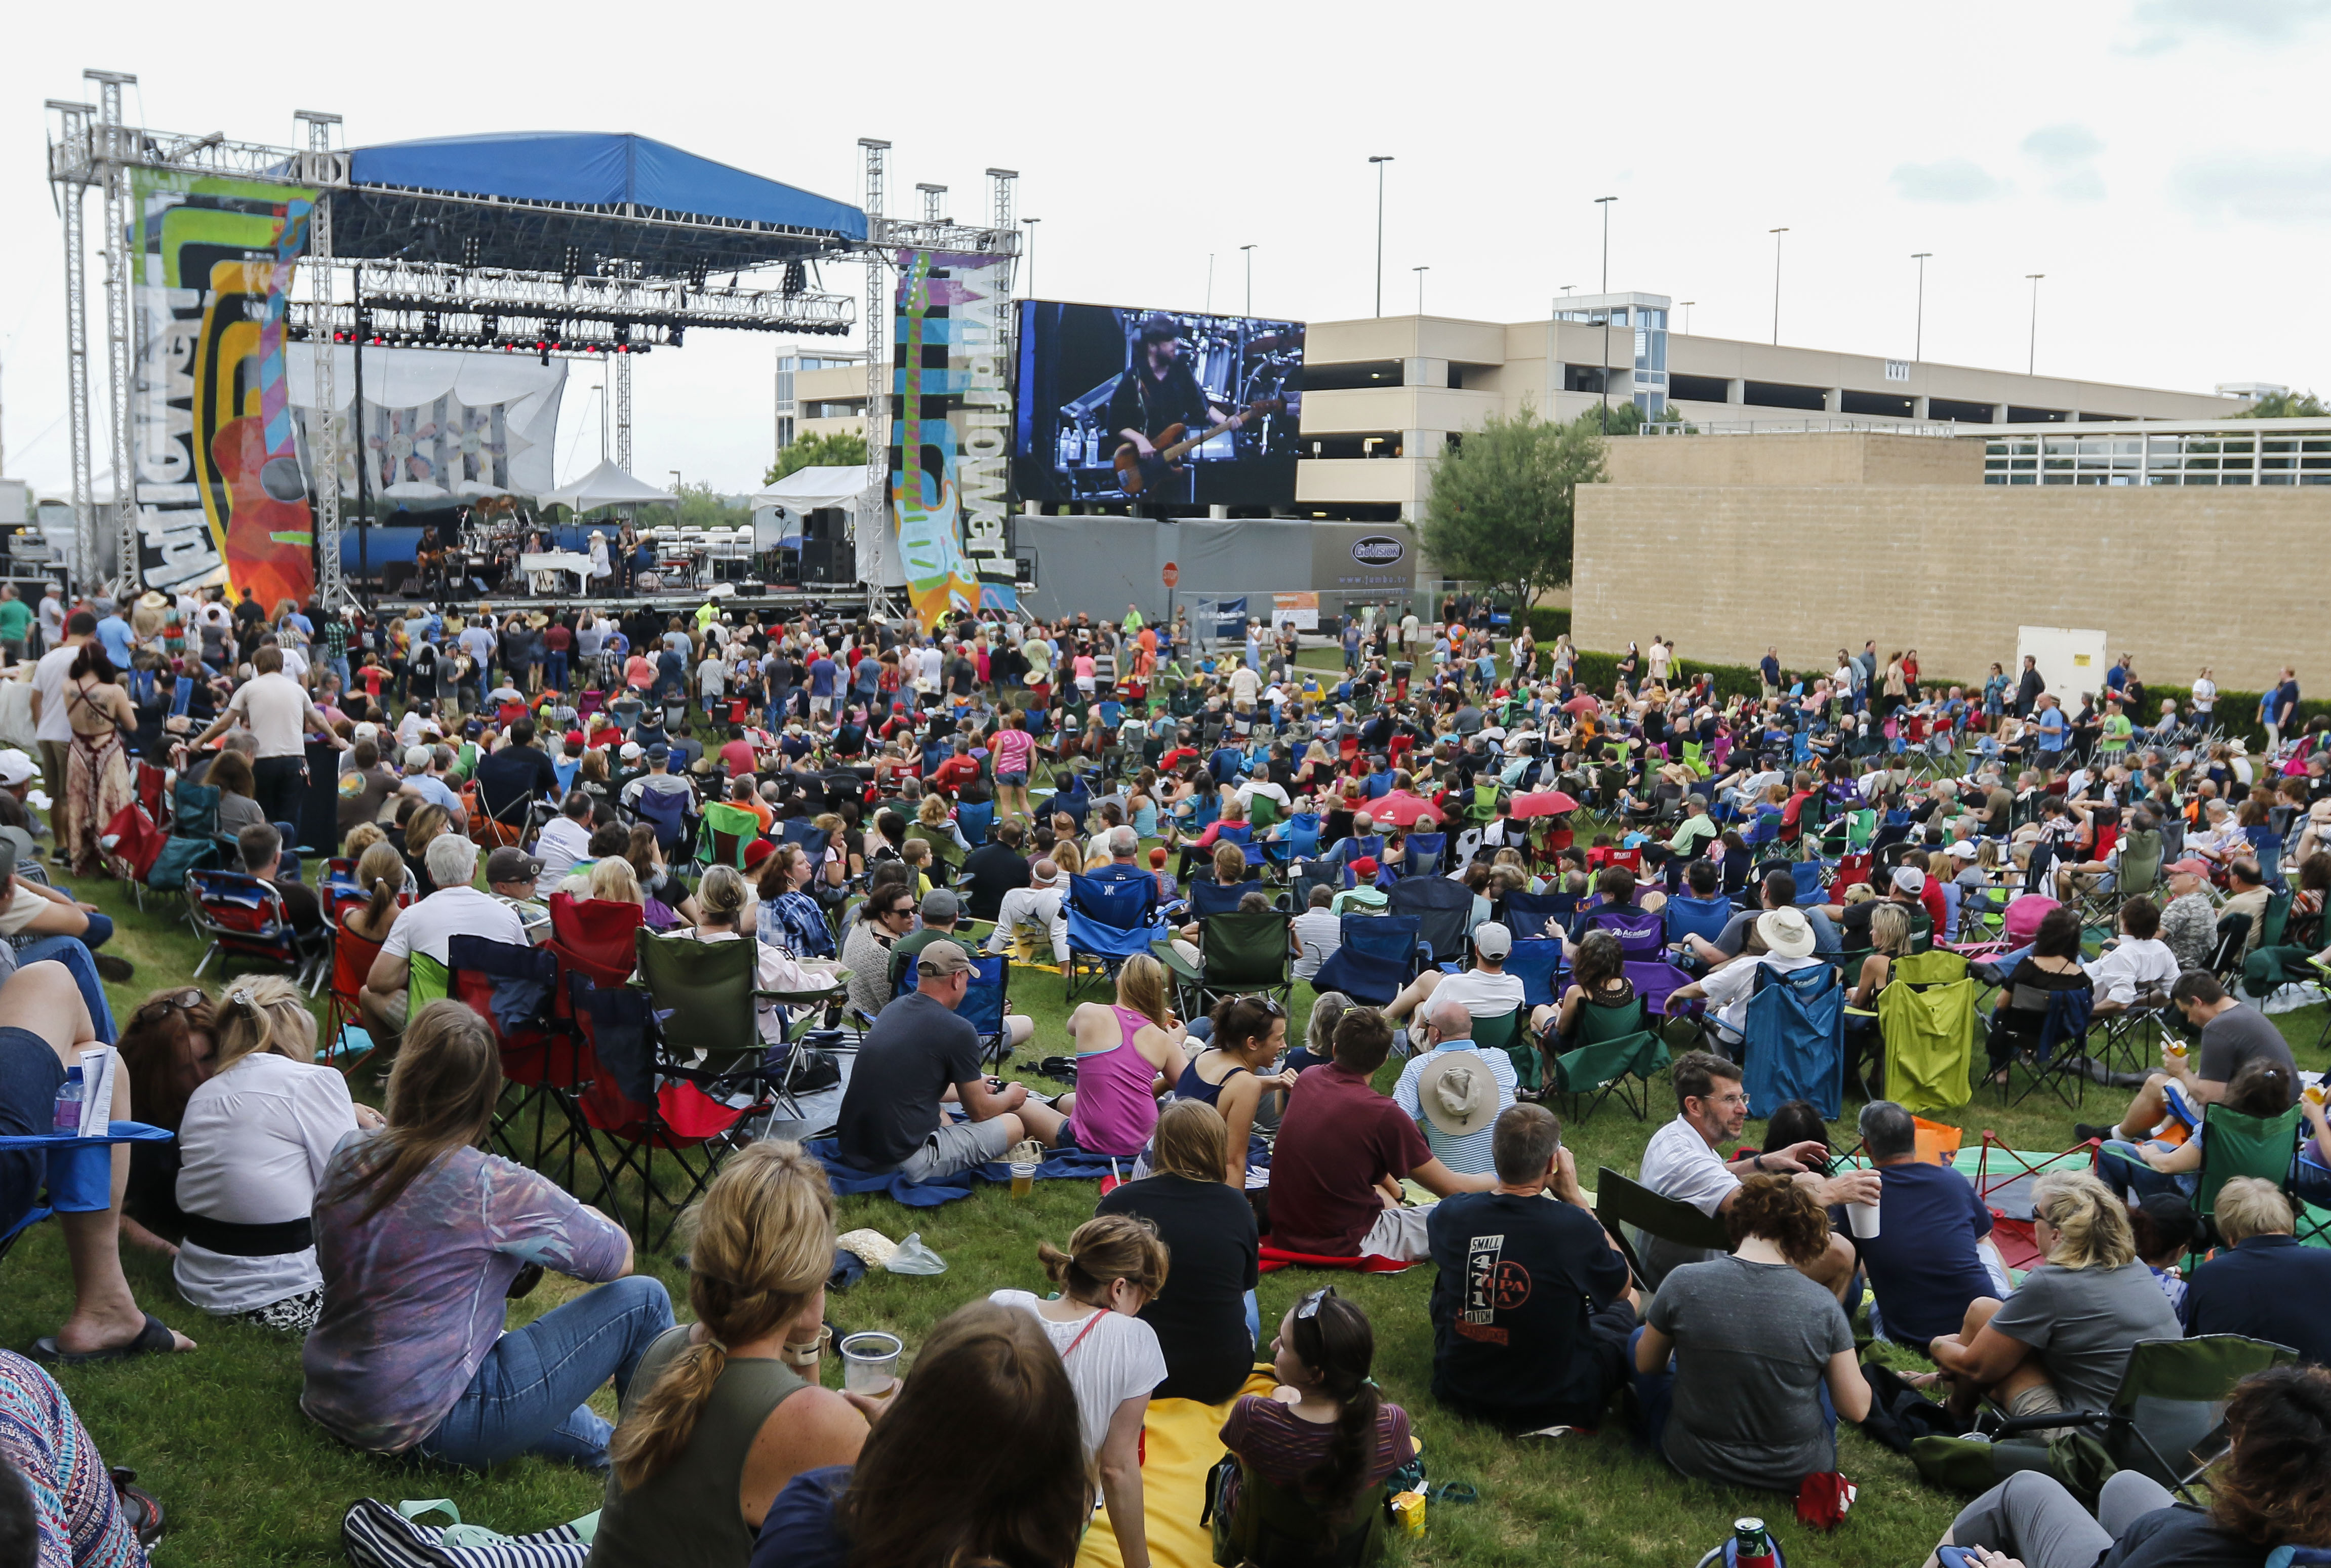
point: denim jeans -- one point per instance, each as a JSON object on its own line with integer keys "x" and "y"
{"x": 2124, "y": 1170}
{"x": 555, "y": 667}
{"x": 528, "y": 1395}
{"x": 72, "y": 952}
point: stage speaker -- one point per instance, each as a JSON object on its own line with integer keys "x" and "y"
{"x": 832, "y": 561}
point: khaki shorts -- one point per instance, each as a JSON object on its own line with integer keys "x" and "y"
{"x": 1399, "y": 1234}
{"x": 2038, "y": 1399}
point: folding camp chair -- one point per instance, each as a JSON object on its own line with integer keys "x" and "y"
{"x": 1208, "y": 897}
{"x": 1306, "y": 875}
{"x": 2234, "y": 1144}
{"x": 728, "y": 830}
{"x": 1380, "y": 955}
{"x": 244, "y": 917}
{"x": 1703, "y": 917}
{"x": 352, "y": 1044}
{"x": 1108, "y": 922}
{"x": 946, "y": 859}
{"x": 1614, "y": 1050}
{"x": 2165, "y": 1418}
{"x": 1927, "y": 1024}
{"x": 2060, "y": 1057}
{"x": 1238, "y": 955}
{"x": 2132, "y": 1033}
{"x": 1642, "y": 932}
{"x": 1794, "y": 1044}
{"x": 1536, "y": 962}
{"x": 513, "y": 987}
{"x": 1622, "y": 1204}
{"x": 975, "y": 819}
{"x": 1425, "y": 854}
{"x": 134, "y": 843}
{"x": 666, "y": 812}
{"x": 1526, "y": 915}
{"x": 1443, "y": 909}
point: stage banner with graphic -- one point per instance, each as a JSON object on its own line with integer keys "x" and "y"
{"x": 221, "y": 495}
{"x": 951, "y": 432}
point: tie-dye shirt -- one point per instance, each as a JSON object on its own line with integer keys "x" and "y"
{"x": 413, "y": 1297}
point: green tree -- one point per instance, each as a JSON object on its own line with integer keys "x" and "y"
{"x": 844, "y": 448}
{"x": 701, "y": 507}
{"x": 2286, "y": 406}
{"x": 1500, "y": 510}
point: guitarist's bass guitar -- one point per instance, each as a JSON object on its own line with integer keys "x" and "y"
{"x": 1135, "y": 473}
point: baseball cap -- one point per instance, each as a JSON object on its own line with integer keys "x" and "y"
{"x": 1962, "y": 850}
{"x": 1364, "y": 867}
{"x": 15, "y": 767}
{"x": 1909, "y": 879}
{"x": 658, "y": 752}
{"x": 941, "y": 959}
{"x": 939, "y": 907}
{"x": 2192, "y": 866}
{"x": 1492, "y": 940}
{"x": 417, "y": 758}
{"x": 631, "y": 751}
{"x": 511, "y": 864}
{"x": 757, "y": 851}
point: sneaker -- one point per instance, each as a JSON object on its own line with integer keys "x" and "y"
{"x": 120, "y": 970}
{"x": 2083, "y": 1131}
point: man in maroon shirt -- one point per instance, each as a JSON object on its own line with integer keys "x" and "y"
{"x": 1343, "y": 1149}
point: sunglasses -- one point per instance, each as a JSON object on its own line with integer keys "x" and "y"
{"x": 1310, "y": 1306}
{"x": 177, "y": 1001}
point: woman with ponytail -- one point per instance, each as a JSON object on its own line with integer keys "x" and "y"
{"x": 1325, "y": 1433}
{"x": 724, "y": 1412}
{"x": 1115, "y": 1265}
{"x": 252, "y": 1145}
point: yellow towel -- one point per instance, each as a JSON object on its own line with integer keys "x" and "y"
{"x": 1180, "y": 1444}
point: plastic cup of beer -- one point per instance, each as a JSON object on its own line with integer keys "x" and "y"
{"x": 870, "y": 1363}
{"x": 2175, "y": 1052}
{"x": 1023, "y": 1177}
{"x": 2313, "y": 1095}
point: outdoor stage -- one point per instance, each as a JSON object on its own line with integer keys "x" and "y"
{"x": 853, "y": 598}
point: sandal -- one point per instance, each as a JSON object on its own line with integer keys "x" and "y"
{"x": 153, "y": 1339}
{"x": 140, "y": 1509}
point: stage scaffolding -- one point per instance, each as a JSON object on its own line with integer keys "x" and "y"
{"x": 581, "y": 298}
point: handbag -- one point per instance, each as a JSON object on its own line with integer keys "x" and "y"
{"x": 377, "y": 1535}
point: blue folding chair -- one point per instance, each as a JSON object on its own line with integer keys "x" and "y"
{"x": 1811, "y": 891}
{"x": 1536, "y": 963}
{"x": 666, "y": 812}
{"x": 1527, "y": 914}
{"x": 1443, "y": 908}
{"x": 1425, "y": 853}
{"x": 984, "y": 999}
{"x": 975, "y": 819}
{"x": 1795, "y": 1041}
{"x": 1243, "y": 835}
{"x": 1703, "y": 917}
{"x": 1209, "y": 897}
{"x": 1108, "y": 923}
{"x": 1381, "y": 954}
{"x": 1302, "y": 840}
{"x": 802, "y": 831}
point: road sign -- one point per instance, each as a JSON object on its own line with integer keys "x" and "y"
{"x": 1171, "y": 574}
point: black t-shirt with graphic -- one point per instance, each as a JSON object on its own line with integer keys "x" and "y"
{"x": 1518, "y": 1278}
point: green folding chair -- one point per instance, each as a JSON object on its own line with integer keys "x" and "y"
{"x": 1927, "y": 1022}
{"x": 1616, "y": 1050}
{"x": 946, "y": 858}
{"x": 1239, "y": 955}
{"x": 2235, "y": 1144}
{"x": 425, "y": 980}
{"x": 1506, "y": 1033}
{"x": 728, "y": 830}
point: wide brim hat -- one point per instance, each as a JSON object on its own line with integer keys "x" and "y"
{"x": 1456, "y": 1093}
{"x": 1786, "y": 933}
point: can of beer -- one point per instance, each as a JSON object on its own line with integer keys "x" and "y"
{"x": 1751, "y": 1547}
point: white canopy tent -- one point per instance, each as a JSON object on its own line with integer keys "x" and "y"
{"x": 605, "y": 486}
{"x": 780, "y": 511}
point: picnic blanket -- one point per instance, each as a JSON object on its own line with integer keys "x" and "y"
{"x": 1278, "y": 1258}
{"x": 845, "y": 1179}
{"x": 1180, "y": 1443}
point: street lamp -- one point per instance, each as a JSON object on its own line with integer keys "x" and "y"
{"x": 1031, "y": 224}
{"x": 1380, "y": 160}
{"x": 1777, "y": 234}
{"x": 1685, "y": 305}
{"x": 2032, "y": 349}
{"x": 1605, "y": 203}
{"x": 1919, "y": 337}
{"x": 1249, "y": 250}
{"x": 1420, "y": 272}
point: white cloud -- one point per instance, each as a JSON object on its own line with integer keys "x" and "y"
{"x": 2086, "y": 186}
{"x": 2260, "y": 190}
{"x": 2166, "y": 25}
{"x": 2058, "y": 146}
{"x": 1951, "y": 180}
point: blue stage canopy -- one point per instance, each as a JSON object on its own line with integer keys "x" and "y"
{"x": 524, "y": 199}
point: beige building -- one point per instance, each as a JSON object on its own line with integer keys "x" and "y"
{"x": 2204, "y": 546}
{"x": 820, "y": 391}
{"x": 1383, "y": 396}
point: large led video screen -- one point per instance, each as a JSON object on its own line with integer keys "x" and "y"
{"x": 1169, "y": 408}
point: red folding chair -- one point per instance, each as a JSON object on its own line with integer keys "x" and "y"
{"x": 244, "y": 917}
{"x": 352, "y": 958}
{"x": 134, "y": 843}
{"x": 1852, "y": 871}
{"x": 148, "y": 787}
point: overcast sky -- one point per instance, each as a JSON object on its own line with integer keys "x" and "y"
{"x": 2147, "y": 156}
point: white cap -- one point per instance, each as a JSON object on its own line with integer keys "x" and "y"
{"x": 1909, "y": 879}
{"x": 631, "y": 751}
{"x": 417, "y": 758}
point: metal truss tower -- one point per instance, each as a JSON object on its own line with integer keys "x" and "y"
{"x": 121, "y": 349}
{"x": 877, "y": 322}
{"x": 324, "y": 430}
{"x": 66, "y": 174}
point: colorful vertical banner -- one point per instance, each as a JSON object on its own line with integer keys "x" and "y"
{"x": 221, "y": 490}
{"x": 951, "y": 423}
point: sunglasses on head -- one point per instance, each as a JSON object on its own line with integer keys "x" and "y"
{"x": 177, "y": 1001}
{"x": 1308, "y": 1306}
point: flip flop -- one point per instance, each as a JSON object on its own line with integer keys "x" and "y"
{"x": 153, "y": 1339}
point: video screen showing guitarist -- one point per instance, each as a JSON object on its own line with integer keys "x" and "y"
{"x": 1159, "y": 391}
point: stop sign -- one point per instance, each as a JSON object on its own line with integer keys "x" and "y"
{"x": 1171, "y": 574}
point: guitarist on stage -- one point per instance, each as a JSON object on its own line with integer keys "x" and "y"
{"x": 1158, "y": 390}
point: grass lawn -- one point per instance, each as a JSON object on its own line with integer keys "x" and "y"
{"x": 218, "y": 1435}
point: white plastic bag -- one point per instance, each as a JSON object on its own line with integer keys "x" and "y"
{"x": 913, "y": 1258}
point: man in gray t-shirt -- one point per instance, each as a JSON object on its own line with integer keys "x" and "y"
{"x": 2232, "y": 1037}
{"x": 1752, "y": 1343}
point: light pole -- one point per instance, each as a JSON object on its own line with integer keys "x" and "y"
{"x": 1031, "y": 224}
{"x": 1605, "y": 203}
{"x": 1777, "y": 234}
{"x": 1919, "y": 336}
{"x": 2032, "y": 349}
{"x": 1249, "y": 251}
{"x": 1685, "y": 305}
{"x": 1210, "y": 282}
{"x": 1380, "y": 160}
{"x": 1420, "y": 272}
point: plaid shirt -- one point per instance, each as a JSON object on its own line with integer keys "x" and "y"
{"x": 794, "y": 922}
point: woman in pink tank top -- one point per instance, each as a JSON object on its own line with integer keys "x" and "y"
{"x": 1126, "y": 1055}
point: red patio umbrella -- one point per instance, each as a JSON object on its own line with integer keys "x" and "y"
{"x": 1541, "y": 803}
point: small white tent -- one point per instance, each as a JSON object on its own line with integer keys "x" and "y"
{"x": 780, "y": 511}
{"x": 605, "y": 486}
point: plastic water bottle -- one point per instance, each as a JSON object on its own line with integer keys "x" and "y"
{"x": 69, "y": 1096}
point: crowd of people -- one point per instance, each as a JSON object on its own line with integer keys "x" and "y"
{"x": 894, "y": 807}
